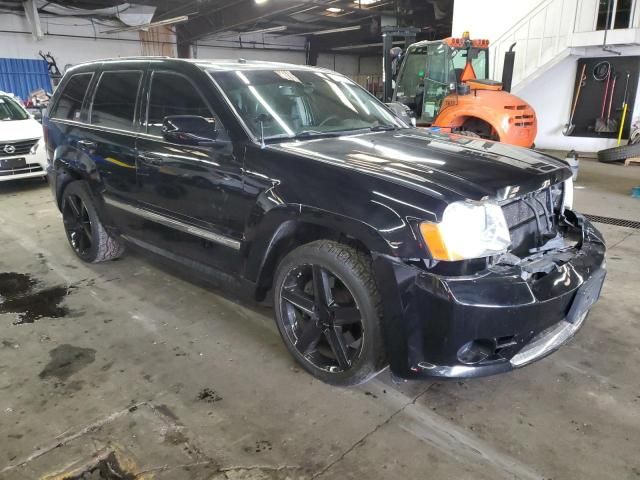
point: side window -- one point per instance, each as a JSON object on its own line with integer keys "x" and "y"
{"x": 173, "y": 94}
{"x": 70, "y": 103}
{"x": 114, "y": 103}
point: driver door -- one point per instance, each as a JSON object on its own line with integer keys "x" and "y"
{"x": 191, "y": 194}
{"x": 436, "y": 81}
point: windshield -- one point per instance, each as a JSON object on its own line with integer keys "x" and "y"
{"x": 478, "y": 61}
{"x": 299, "y": 103}
{"x": 11, "y": 110}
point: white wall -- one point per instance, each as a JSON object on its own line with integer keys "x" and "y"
{"x": 488, "y": 19}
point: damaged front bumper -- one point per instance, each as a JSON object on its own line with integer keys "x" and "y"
{"x": 502, "y": 318}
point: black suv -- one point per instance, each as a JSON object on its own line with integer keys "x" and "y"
{"x": 439, "y": 254}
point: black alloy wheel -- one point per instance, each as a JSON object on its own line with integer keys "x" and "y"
{"x": 77, "y": 224}
{"x": 321, "y": 317}
{"x": 328, "y": 311}
{"x": 87, "y": 235}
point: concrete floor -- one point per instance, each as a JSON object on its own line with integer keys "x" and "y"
{"x": 183, "y": 380}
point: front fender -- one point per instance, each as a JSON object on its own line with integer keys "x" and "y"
{"x": 294, "y": 224}
{"x": 512, "y": 118}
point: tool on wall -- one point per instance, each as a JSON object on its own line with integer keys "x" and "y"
{"x": 625, "y": 106}
{"x": 570, "y": 127}
{"x": 603, "y": 72}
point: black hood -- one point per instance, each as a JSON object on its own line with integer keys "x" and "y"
{"x": 467, "y": 167}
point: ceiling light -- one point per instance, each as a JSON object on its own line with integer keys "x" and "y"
{"x": 335, "y": 10}
{"x": 365, "y": 2}
{"x": 261, "y": 1}
{"x": 333, "y": 30}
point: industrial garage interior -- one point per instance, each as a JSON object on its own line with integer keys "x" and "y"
{"x": 265, "y": 273}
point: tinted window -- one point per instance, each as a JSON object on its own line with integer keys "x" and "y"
{"x": 70, "y": 103}
{"x": 173, "y": 94}
{"x": 114, "y": 102}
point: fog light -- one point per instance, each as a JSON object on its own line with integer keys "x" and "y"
{"x": 476, "y": 351}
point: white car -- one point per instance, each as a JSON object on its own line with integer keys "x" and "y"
{"x": 22, "y": 149}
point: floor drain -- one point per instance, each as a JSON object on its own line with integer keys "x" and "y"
{"x": 613, "y": 221}
{"x": 106, "y": 468}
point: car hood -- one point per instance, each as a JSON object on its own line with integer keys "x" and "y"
{"x": 15, "y": 130}
{"x": 465, "y": 167}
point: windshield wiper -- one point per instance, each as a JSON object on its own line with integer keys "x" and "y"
{"x": 384, "y": 128}
{"x": 316, "y": 133}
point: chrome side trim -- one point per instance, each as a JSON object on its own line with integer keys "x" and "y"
{"x": 176, "y": 224}
{"x": 98, "y": 128}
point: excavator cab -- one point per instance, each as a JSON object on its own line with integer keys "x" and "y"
{"x": 431, "y": 71}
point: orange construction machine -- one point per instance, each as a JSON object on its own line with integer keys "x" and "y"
{"x": 445, "y": 83}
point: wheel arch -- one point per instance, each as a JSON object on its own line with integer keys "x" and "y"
{"x": 69, "y": 165}
{"x": 286, "y": 230}
{"x": 460, "y": 118}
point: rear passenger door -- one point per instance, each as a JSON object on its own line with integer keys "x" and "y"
{"x": 110, "y": 139}
{"x": 195, "y": 193}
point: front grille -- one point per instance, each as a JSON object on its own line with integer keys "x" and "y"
{"x": 28, "y": 168}
{"x": 19, "y": 148}
{"x": 532, "y": 218}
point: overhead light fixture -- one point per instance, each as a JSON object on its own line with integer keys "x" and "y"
{"x": 332, "y": 30}
{"x": 261, "y": 1}
{"x": 160, "y": 23}
{"x": 280, "y": 28}
{"x": 335, "y": 10}
{"x": 365, "y": 2}
{"x": 365, "y": 45}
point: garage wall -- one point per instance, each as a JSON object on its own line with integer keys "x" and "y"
{"x": 73, "y": 40}
{"x": 70, "y": 40}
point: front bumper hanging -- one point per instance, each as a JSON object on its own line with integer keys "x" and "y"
{"x": 494, "y": 321}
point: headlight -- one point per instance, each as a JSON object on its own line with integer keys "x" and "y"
{"x": 567, "y": 195}
{"x": 467, "y": 230}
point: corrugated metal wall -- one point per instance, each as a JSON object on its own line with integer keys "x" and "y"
{"x": 21, "y": 76}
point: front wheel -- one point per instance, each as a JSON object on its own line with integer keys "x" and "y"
{"x": 328, "y": 312}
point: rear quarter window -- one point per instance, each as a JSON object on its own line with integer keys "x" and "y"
{"x": 114, "y": 103}
{"x": 69, "y": 106}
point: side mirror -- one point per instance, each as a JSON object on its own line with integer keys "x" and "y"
{"x": 189, "y": 130}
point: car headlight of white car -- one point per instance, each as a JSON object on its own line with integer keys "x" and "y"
{"x": 38, "y": 145}
{"x": 467, "y": 230}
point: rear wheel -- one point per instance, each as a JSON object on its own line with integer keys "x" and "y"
{"x": 328, "y": 312}
{"x": 85, "y": 232}
{"x": 474, "y": 127}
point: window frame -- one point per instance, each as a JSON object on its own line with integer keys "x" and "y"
{"x": 54, "y": 109}
{"x": 144, "y": 127}
{"x": 134, "y": 128}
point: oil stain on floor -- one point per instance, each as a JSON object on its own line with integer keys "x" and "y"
{"x": 67, "y": 360}
{"x": 18, "y": 295}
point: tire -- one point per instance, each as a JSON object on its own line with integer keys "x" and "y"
{"x": 353, "y": 290}
{"x": 85, "y": 232}
{"x": 619, "y": 154}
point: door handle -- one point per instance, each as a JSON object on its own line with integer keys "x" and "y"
{"x": 87, "y": 144}
{"x": 151, "y": 159}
